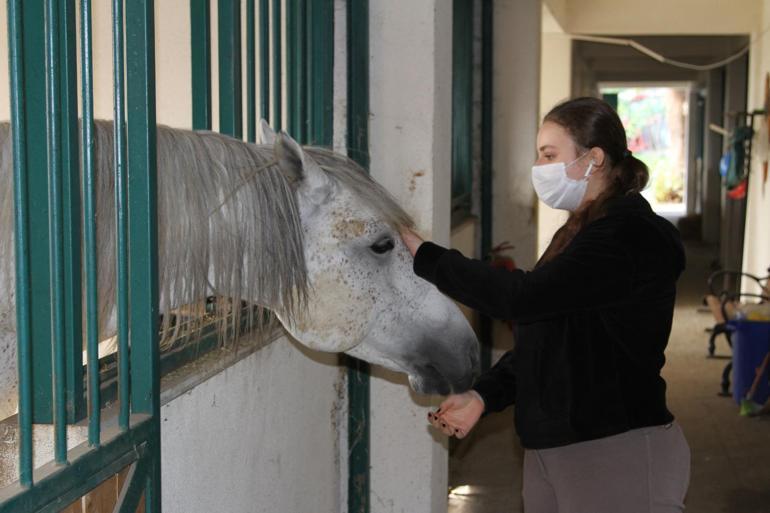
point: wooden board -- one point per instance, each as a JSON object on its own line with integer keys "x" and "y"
{"x": 104, "y": 497}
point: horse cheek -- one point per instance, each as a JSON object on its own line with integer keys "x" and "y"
{"x": 337, "y": 314}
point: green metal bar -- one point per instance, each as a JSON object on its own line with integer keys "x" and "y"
{"x": 142, "y": 177}
{"x": 277, "y": 67}
{"x": 487, "y": 8}
{"x": 55, "y": 222}
{"x": 21, "y": 226}
{"x": 34, "y": 106}
{"x": 56, "y": 488}
{"x": 200, "y": 50}
{"x": 462, "y": 107}
{"x": 129, "y": 496}
{"x": 152, "y": 488}
{"x": 359, "y": 425}
{"x": 264, "y": 59}
{"x": 320, "y": 27}
{"x": 73, "y": 318}
{"x": 297, "y": 68}
{"x": 358, "y": 81}
{"x": 359, "y": 428}
{"x": 121, "y": 212}
{"x": 89, "y": 225}
{"x": 251, "y": 74}
{"x": 230, "y": 103}
{"x": 291, "y": 66}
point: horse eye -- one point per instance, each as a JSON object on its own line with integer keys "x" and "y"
{"x": 382, "y": 246}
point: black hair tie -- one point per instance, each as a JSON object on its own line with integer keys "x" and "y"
{"x": 627, "y": 153}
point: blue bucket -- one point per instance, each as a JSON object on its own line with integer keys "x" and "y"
{"x": 751, "y": 342}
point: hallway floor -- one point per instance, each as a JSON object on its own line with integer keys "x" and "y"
{"x": 730, "y": 453}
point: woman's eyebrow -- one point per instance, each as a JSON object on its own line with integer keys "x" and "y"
{"x": 543, "y": 147}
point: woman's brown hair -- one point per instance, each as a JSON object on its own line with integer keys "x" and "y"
{"x": 593, "y": 123}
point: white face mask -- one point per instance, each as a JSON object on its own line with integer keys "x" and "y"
{"x": 556, "y": 189}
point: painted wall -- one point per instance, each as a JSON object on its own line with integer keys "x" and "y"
{"x": 410, "y": 135}
{"x": 656, "y": 17}
{"x": 756, "y": 255}
{"x": 5, "y": 106}
{"x": 515, "y": 120}
{"x": 555, "y": 87}
{"x": 261, "y": 436}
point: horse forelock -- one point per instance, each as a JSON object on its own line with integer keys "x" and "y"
{"x": 351, "y": 176}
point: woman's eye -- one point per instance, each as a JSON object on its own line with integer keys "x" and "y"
{"x": 383, "y": 246}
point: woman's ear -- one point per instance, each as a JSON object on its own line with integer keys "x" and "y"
{"x": 599, "y": 158}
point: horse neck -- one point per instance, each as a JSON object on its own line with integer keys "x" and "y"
{"x": 228, "y": 222}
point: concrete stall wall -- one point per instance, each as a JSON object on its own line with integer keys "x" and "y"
{"x": 260, "y": 436}
{"x": 756, "y": 255}
{"x": 410, "y": 138}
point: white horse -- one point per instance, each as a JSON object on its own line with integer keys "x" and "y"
{"x": 302, "y": 232}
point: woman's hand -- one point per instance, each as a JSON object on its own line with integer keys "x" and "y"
{"x": 411, "y": 240}
{"x": 458, "y": 414}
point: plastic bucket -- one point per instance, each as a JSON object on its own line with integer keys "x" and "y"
{"x": 751, "y": 342}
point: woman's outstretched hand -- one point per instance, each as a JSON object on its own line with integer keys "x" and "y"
{"x": 458, "y": 414}
{"x": 411, "y": 239}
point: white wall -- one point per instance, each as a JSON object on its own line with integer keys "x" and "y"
{"x": 555, "y": 87}
{"x": 658, "y": 17}
{"x": 261, "y": 436}
{"x": 756, "y": 254}
{"x": 516, "y": 114}
{"x": 5, "y": 106}
{"x": 410, "y": 136}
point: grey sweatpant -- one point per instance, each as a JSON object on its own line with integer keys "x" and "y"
{"x": 641, "y": 471}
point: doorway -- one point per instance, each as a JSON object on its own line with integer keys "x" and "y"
{"x": 656, "y": 122}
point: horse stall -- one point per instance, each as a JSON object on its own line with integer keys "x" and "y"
{"x": 179, "y": 328}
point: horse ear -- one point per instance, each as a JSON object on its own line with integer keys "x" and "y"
{"x": 265, "y": 134}
{"x": 301, "y": 169}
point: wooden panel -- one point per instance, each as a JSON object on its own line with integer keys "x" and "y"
{"x": 103, "y": 498}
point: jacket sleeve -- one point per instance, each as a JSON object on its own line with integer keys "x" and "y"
{"x": 497, "y": 386}
{"x": 594, "y": 271}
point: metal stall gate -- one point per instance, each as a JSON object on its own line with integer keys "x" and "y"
{"x": 50, "y": 266}
{"x": 55, "y": 236}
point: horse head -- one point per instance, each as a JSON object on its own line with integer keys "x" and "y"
{"x": 364, "y": 299}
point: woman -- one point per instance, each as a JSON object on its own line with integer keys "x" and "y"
{"x": 593, "y": 319}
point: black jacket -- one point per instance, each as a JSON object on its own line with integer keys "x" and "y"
{"x": 592, "y": 325}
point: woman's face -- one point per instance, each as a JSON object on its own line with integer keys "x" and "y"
{"x": 554, "y": 144}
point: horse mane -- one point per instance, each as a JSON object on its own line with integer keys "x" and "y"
{"x": 223, "y": 206}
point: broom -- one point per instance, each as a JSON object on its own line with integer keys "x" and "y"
{"x": 748, "y": 406}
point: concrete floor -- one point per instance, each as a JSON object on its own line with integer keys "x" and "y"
{"x": 730, "y": 453}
